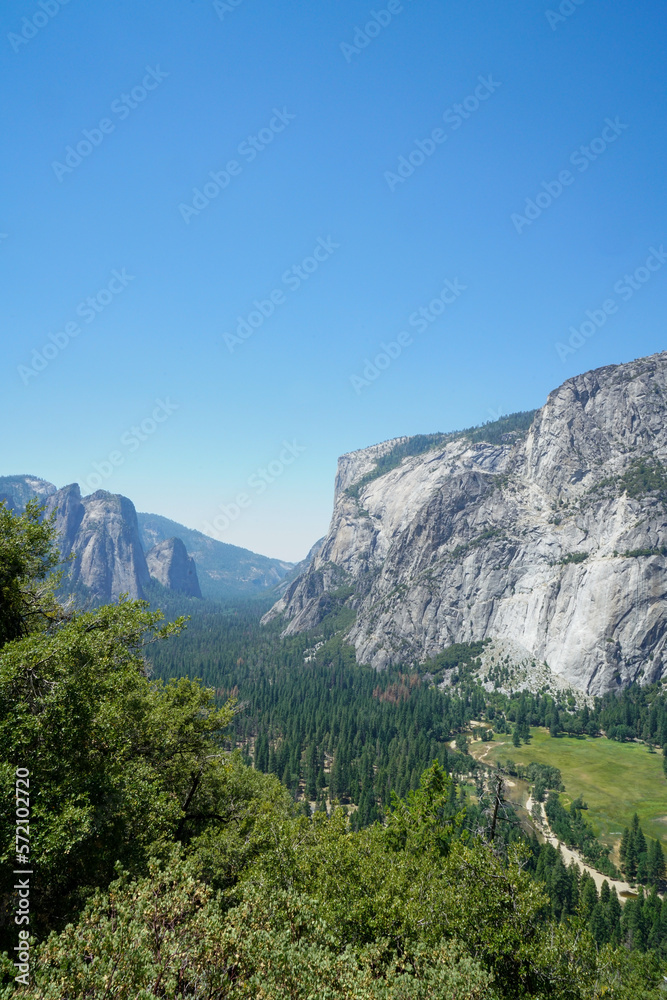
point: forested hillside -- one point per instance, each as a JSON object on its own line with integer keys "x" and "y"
{"x": 320, "y": 722}
{"x": 158, "y": 863}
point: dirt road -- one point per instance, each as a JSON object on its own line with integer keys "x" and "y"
{"x": 569, "y": 855}
{"x": 542, "y": 827}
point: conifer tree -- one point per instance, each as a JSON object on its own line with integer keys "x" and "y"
{"x": 656, "y": 863}
{"x": 634, "y": 924}
{"x": 630, "y": 861}
{"x": 311, "y": 773}
{"x": 598, "y": 924}
{"x": 614, "y": 911}
{"x": 663, "y": 926}
{"x": 574, "y": 886}
{"x": 642, "y": 856}
{"x": 588, "y": 896}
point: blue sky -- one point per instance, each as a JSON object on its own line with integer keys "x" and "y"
{"x": 305, "y": 113}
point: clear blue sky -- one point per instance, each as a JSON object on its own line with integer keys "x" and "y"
{"x": 199, "y": 81}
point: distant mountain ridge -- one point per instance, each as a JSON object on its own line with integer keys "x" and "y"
{"x": 116, "y": 551}
{"x": 17, "y": 490}
{"x": 224, "y": 570}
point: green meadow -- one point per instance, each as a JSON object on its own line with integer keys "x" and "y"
{"x": 615, "y": 779}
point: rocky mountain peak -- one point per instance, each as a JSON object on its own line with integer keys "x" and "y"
{"x": 101, "y": 532}
{"x": 169, "y": 564}
{"x": 545, "y": 534}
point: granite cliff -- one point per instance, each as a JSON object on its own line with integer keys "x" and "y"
{"x": 169, "y": 564}
{"x": 545, "y": 533}
{"x": 100, "y": 535}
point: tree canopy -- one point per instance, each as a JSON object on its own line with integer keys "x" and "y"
{"x": 163, "y": 865}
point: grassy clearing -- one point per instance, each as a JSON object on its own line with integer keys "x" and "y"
{"x": 615, "y": 779}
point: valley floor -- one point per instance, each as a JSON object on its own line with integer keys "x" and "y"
{"x": 615, "y": 779}
{"x": 586, "y": 765}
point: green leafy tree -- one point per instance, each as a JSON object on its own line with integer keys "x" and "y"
{"x": 273, "y": 945}
{"x": 27, "y": 557}
{"x": 119, "y": 763}
{"x": 423, "y": 820}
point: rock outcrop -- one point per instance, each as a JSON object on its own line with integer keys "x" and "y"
{"x": 100, "y": 535}
{"x": 552, "y": 541}
{"x": 17, "y": 490}
{"x": 169, "y": 564}
{"x": 225, "y": 571}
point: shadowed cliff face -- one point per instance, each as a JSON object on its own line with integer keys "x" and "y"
{"x": 169, "y": 564}
{"x": 100, "y": 531}
{"x": 526, "y": 542}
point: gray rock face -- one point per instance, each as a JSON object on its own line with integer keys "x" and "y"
{"x": 17, "y": 490}
{"x": 551, "y": 544}
{"x": 101, "y": 533}
{"x": 169, "y": 564}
